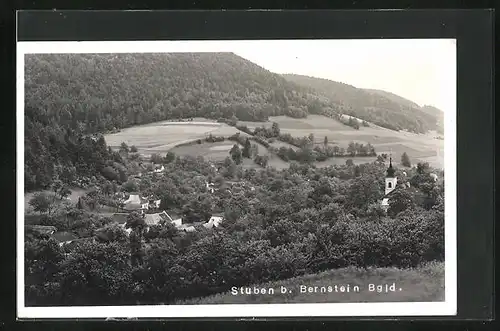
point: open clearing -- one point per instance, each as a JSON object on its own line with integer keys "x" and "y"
{"x": 420, "y": 147}
{"x": 217, "y": 151}
{"x": 423, "y": 284}
{"x": 162, "y": 136}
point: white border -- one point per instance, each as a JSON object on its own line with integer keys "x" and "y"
{"x": 448, "y": 307}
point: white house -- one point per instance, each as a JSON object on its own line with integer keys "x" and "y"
{"x": 210, "y": 187}
{"x": 213, "y": 222}
{"x": 136, "y": 203}
{"x": 158, "y": 168}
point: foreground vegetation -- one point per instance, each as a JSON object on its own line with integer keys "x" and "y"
{"x": 422, "y": 284}
{"x": 277, "y": 225}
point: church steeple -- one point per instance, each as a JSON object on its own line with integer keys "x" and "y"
{"x": 390, "y": 170}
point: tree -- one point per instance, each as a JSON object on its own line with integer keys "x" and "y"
{"x": 133, "y": 149}
{"x": 124, "y": 148}
{"x": 254, "y": 150}
{"x": 170, "y": 157}
{"x": 41, "y": 202}
{"x": 156, "y": 158}
{"x": 351, "y": 149}
{"x": 325, "y": 141}
{"x": 349, "y": 162}
{"x": 422, "y": 167}
{"x": 275, "y": 129}
{"x": 399, "y": 201}
{"x": 110, "y": 174}
{"x": 405, "y": 160}
{"x": 130, "y": 186}
{"x": 246, "y": 149}
{"x": 235, "y": 153}
{"x": 64, "y": 192}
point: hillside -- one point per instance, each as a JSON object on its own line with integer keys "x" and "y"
{"x": 70, "y": 95}
{"x": 106, "y": 91}
{"x": 379, "y": 107}
{"x": 421, "y": 284}
{"x": 394, "y": 98}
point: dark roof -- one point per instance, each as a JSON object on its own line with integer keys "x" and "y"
{"x": 64, "y": 236}
{"x": 390, "y": 170}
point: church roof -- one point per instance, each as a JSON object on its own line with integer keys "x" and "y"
{"x": 390, "y": 171}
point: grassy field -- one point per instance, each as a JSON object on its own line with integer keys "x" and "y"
{"x": 420, "y": 148}
{"x": 160, "y": 137}
{"x": 422, "y": 284}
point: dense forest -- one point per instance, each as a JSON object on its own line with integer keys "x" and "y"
{"x": 379, "y": 107}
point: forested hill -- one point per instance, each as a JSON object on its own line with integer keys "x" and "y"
{"x": 68, "y": 96}
{"x": 379, "y": 107}
{"x": 99, "y": 92}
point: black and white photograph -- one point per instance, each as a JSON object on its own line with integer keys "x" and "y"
{"x": 236, "y": 178}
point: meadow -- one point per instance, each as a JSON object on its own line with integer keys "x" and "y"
{"x": 421, "y": 284}
{"x": 420, "y": 147}
{"x": 161, "y": 137}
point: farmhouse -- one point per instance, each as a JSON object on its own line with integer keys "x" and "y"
{"x": 136, "y": 203}
{"x": 155, "y": 219}
{"x": 213, "y": 222}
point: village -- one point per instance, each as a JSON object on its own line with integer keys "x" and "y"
{"x": 128, "y": 203}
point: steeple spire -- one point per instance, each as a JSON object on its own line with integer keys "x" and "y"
{"x": 390, "y": 170}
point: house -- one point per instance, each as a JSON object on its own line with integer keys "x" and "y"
{"x": 210, "y": 187}
{"x": 213, "y": 222}
{"x": 136, "y": 203}
{"x": 177, "y": 222}
{"x": 153, "y": 219}
{"x": 154, "y": 204}
{"x": 157, "y": 168}
{"x": 189, "y": 229}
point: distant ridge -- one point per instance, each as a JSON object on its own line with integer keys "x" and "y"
{"x": 383, "y": 108}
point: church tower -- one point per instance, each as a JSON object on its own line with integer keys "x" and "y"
{"x": 390, "y": 179}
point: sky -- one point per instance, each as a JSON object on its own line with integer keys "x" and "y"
{"x": 421, "y": 70}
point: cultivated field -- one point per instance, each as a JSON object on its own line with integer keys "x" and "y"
{"x": 422, "y": 284}
{"x": 160, "y": 137}
{"x": 420, "y": 148}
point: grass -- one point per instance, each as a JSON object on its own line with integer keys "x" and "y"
{"x": 422, "y": 284}
{"x": 420, "y": 147}
{"x": 160, "y": 137}
{"x": 163, "y": 136}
